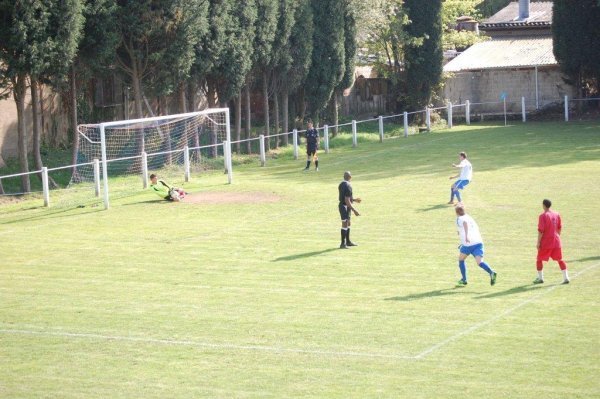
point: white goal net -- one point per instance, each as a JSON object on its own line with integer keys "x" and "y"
{"x": 133, "y": 149}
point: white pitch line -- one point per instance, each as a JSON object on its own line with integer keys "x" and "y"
{"x": 175, "y": 342}
{"x": 497, "y": 317}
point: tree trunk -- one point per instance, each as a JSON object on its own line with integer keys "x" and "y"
{"x": 334, "y": 113}
{"x": 211, "y": 93}
{"x": 73, "y": 100}
{"x": 238, "y": 121}
{"x": 266, "y": 108}
{"x": 137, "y": 96}
{"x": 163, "y": 110}
{"x": 192, "y": 88}
{"x": 286, "y": 127}
{"x": 182, "y": 98}
{"x": 276, "y": 116}
{"x": 37, "y": 125}
{"x": 248, "y": 118}
{"x": 19, "y": 90}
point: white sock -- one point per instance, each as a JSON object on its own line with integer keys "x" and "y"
{"x": 565, "y": 274}
{"x": 541, "y": 274}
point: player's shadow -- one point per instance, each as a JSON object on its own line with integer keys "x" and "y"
{"x": 434, "y": 207}
{"x": 589, "y": 258}
{"x": 304, "y": 255}
{"x": 428, "y": 294}
{"x": 515, "y": 290}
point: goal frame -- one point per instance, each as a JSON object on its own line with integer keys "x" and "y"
{"x": 102, "y": 128}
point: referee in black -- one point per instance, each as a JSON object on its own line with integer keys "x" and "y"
{"x": 312, "y": 145}
{"x": 346, "y": 209}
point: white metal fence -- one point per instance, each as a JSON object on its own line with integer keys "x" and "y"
{"x": 465, "y": 112}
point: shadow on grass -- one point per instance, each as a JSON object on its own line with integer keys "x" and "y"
{"x": 54, "y": 215}
{"x": 515, "y": 290}
{"x": 589, "y": 258}
{"x": 430, "y": 294}
{"x": 434, "y": 207}
{"x": 304, "y": 255}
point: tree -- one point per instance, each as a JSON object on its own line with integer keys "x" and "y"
{"x": 349, "y": 60}
{"x": 224, "y": 55}
{"x": 95, "y": 54}
{"x": 423, "y": 61}
{"x": 39, "y": 40}
{"x": 300, "y": 50}
{"x": 327, "y": 68}
{"x": 281, "y": 59}
{"x": 451, "y": 10}
{"x": 575, "y": 30}
{"x": 157, "y": 38}
{"x": 266, "y": 30}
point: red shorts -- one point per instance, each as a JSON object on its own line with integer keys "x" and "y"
{"x": 546, "y": 253}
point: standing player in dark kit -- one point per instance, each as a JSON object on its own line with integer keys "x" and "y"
{"x": 312, "y": 145}
{"x": 346, "y": 209}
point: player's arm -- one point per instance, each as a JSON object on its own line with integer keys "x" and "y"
{"x": 348, "y": 201}
{"x": 541, "y": 225}
{"x": 466, "y": 227}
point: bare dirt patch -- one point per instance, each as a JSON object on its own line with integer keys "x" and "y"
{"x": 231, "y": 198}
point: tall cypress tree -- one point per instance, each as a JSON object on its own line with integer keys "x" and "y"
{"x": 95, "y": 55}
{"x": 37, "y": 40}
{"x": 423, "y": 54}
{"x": 350, "y": 47}
{"x": 300, "y": 47}
{"x": 328, "y": 56}
{"x": 575, "y": 30}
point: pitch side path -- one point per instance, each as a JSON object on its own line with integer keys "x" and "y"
{"x": 244, "y": 293}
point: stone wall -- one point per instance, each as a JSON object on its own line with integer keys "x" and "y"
{"x": 54, "y": 124}
{"x": 487, "y": 86}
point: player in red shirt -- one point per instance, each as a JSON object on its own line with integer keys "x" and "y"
{"x": 548, "y": 242}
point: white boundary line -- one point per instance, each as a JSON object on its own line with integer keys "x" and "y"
{"x": 175, "y": 342}
{"x": 274, "y": 349}
{"x": 497, "y": 317}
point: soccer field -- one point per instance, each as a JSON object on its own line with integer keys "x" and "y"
{"x": 252, "y": 298}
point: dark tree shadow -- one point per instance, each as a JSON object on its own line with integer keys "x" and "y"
{"x": 429, "y": 294}
{"x": 304, "y": 255}
{"x": 511, "y": 291}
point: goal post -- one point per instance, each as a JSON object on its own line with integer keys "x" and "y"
{"x": 167, "y": 145}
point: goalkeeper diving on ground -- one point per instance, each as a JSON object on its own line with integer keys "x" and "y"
{"x": 165, "y": 190}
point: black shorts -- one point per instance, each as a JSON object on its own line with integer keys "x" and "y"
{"x": 310, "y": 151}
{"x": 345, "y": 212}
{"x": 169, "y": 198}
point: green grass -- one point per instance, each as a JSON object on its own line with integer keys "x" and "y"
{"x": 254, "y": 300}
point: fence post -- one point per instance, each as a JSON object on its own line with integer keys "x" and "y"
{"x": 405, "y": 117}
{"x": 145, "y": 169}
{"x": 229, "y": 163}
{"x": 566, "y": 108}
{"x": 523, "y": 111}
{"x": 97, "y": 176}
{"x": 354, "y": 137}
{"x": 227, "y": 160}
{"x": 295, "y": 138}
{"x": 468, "y": 112}
{"x": 380, "y": 129}
{"x": 326, "y": 137}
{"x": 263, "y": 157}
{"x": 45, "y": 186}
{"x": 449, "y": 114}
{"x": 186, "y": 163}
{"x": 428, "y": 118}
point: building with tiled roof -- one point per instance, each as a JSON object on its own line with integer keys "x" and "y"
{"x": 518, "y": 60}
